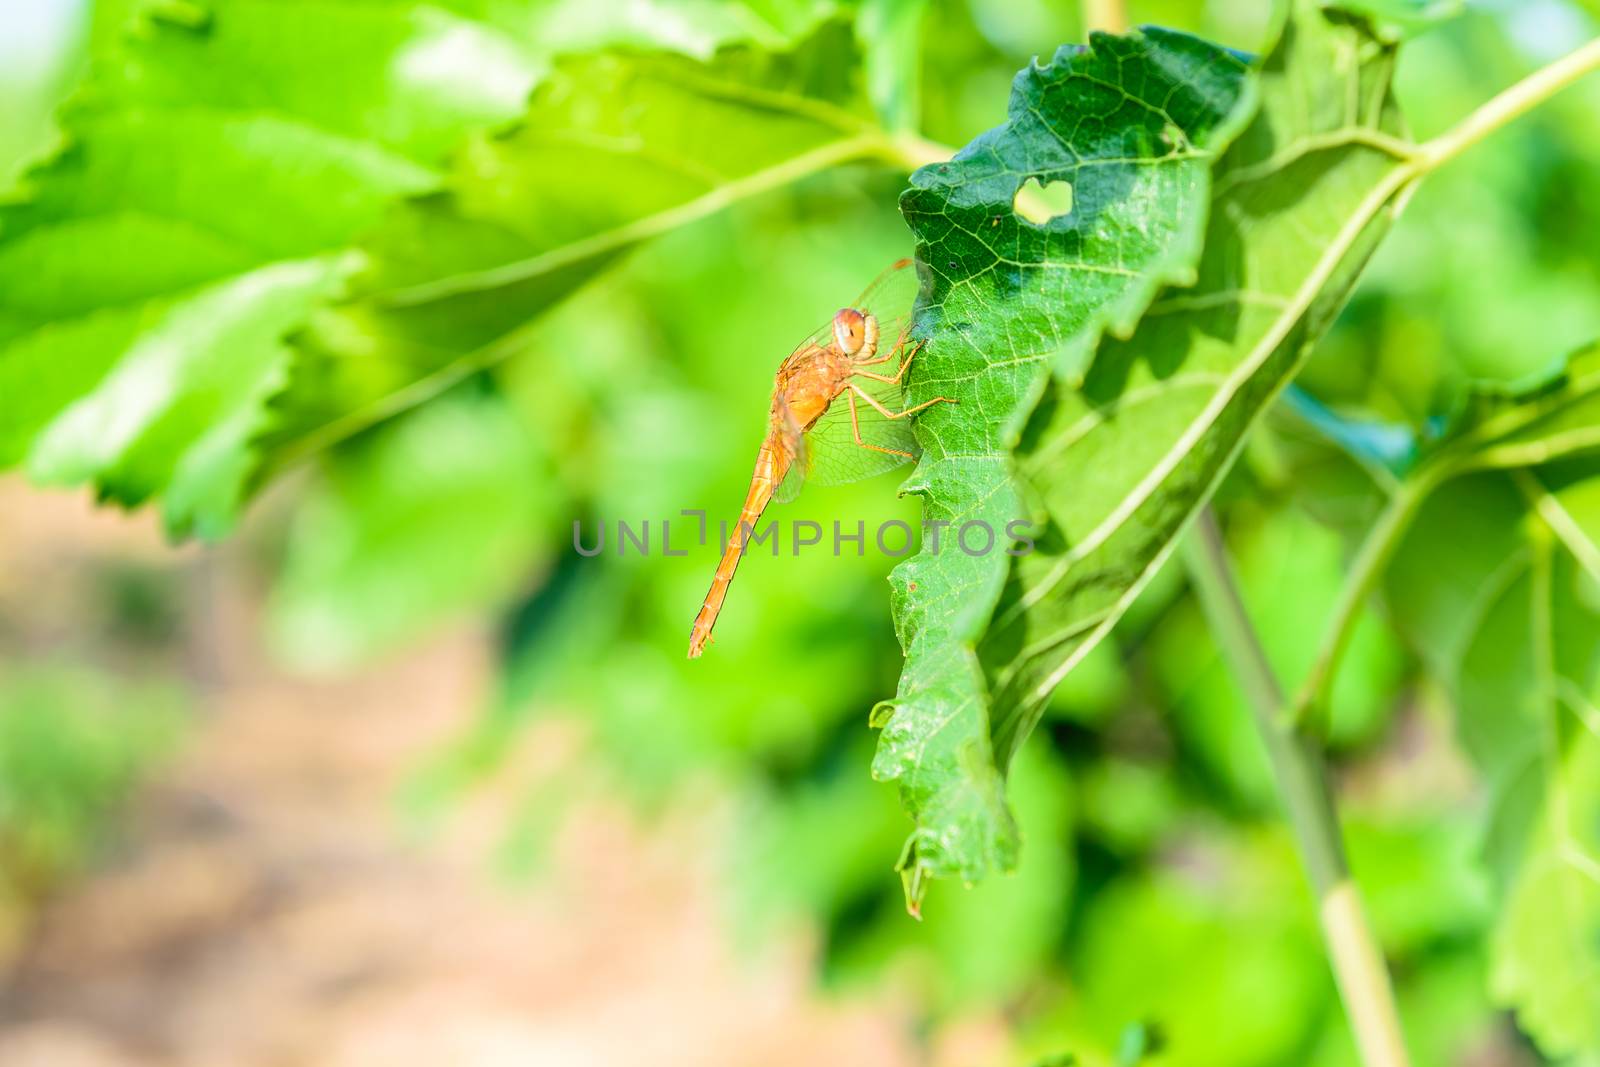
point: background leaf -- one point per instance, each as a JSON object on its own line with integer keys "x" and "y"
{"x": 211, "y": 191}
{"x": 1545, "y": 951}
{"x": 614, "y": 148}
{"x": 1496, "y": 583}
{"x": 1511, "y": 623}
{"x": 142, "y": 305}
{"x": 439, "y": 511}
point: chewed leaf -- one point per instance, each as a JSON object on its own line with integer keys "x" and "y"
{"x": 1132, "y": 124}
{"x": 1122, "y": 462}
{"x": 1118, "y": 453}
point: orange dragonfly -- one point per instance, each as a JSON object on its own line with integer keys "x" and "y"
{"x": 811, "y": 436}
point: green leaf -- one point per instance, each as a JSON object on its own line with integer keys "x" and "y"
{"x": 426, "y": 517}
{"x": 613, "y": 149}
{"x": 1006, "y": 299}
{"x": 211, "y": 180}
{"x": 221, "y": 161}
{"x": 1546, "y": 952}
{"x": 1179, "y": 947}
{"x": 1122, "y": 463}
{"x": 1553, "y": 419}
{"x": 1497, "y": 582}
{"x": 1117, "y": 463}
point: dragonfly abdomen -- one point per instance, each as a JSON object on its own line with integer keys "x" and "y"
{"x": 772, "y": 464}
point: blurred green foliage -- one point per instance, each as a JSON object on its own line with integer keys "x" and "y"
{"x": 73, "y": 743}
{"x": 1156, "y": 913}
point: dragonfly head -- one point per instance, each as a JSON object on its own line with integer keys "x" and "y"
{"x": 853, "y": 331}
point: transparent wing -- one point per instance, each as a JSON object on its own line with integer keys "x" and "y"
{"x": 889, "y": 298}
{"x": 792, "y": 483}
{"x": 828, "y": 454}
{"x": 855, "y": 438}
{"x": 833, "y": 454}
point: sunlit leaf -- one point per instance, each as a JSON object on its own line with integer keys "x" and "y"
{"x": 1118, "y": 461}
{"x": 1131, "y": 123}
{"x": 221, "y": 162}
{"x": 613, "y": 149}
{"x": 211, "y": 179}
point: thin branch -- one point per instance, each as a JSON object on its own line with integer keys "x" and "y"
{"x": 1110, "y": 16}
{"x": 787, "y": 172}
{"x": 1559, "y": 520}
{"x": 1358, "y": 965}
{"x": 910, "y": 151}
{"x": 1518, "y": 100}
{"x": 1311, "y": 701}
{"x": 1509, "y": 105}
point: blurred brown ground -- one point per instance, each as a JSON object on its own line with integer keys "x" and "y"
{"x": 263, "y": 903}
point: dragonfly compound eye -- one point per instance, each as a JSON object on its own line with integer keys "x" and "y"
{"x": 849, "y": 330}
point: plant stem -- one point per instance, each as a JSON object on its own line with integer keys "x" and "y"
{"x": 909, "y": 150}
{"x": 1358, "y": 965}
{"x": 1511, "y": 104}
{"x": 1108, "y": 15}
{"x": 1312, "y": 698}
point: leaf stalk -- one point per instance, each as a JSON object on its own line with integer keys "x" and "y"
{"x": 1508, "y": 106}
{"x": 1297, "y": 762}
{"x": 911, "y": 150}
{"x": 1309, "y": 709}
{"x": 1109, "y": 16}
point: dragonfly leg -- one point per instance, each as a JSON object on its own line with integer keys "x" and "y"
{"x": 901, "y": 373}
{"x": 855, "y": 428}
{"x": 899, "y": 343}
{"x": 856, "y": 390}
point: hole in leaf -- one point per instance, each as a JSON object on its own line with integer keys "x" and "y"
{"x": 1041, "y": 203}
